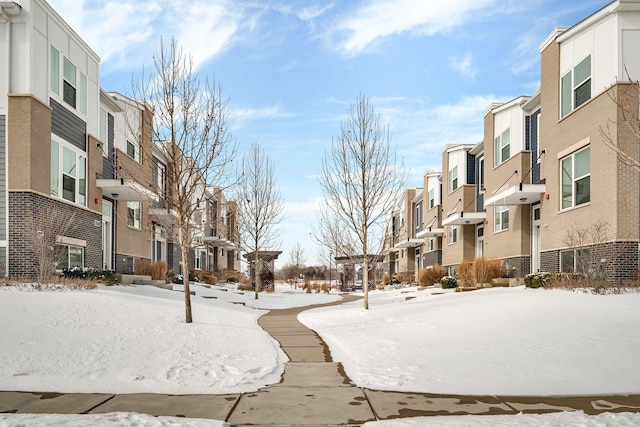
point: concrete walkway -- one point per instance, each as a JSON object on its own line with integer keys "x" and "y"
{"x": 314, "y": 391}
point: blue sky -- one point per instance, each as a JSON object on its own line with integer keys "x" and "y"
{"x": 292, "y": 68}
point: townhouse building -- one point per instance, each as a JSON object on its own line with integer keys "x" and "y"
{"x": 79, "y": 169}
{"x": 543, "y": 191}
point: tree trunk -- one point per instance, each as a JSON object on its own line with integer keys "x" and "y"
{"x": 257, "y": 266}
{"x": 185, "y": 281}
{"x": 365, "y": 279}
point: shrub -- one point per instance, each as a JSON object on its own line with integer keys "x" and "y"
{"x": 536, "y": 280}
{"x": 423, "y": 276}
{"x": 448, "y": 282}
{"x": 244, "y": 286}
{"x": 192, "y": 279}
{"x": 107, "y": 277}
{"x": 157, "y": 270}
{"x": 232, "y": 280}
{"x": 385, "y": 279}
{"x": 465, "y": 276}
{"x": 433, "y": 275}
{"x": 209, "y": 277}
{"x": 484, "y": 270}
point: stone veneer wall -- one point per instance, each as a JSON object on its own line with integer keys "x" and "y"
{"x": 25, "y": 207}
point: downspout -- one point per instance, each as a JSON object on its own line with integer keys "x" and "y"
{"x": 5, "y": 194}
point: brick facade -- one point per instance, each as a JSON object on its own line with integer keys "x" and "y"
{"x": 28, "y": 210}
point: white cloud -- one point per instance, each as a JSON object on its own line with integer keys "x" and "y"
{"x": 269, "y": 112}
{"x": 382, "y": 18}
{"x": 464, "y": 65}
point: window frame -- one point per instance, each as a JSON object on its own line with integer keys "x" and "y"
{"x": 67, "y": 249}
{"x": 500, "y": 213}
{"x": 134, "y": 214}
{"x": 58, "y": 80}
{"x": 574, "y": 181}
{"x": 452, "y": 235}
{"x": 453, "y": 179}
{"x": 569, "y": 87}
{"x": 499, "y": 146}
{"x": 432, "y": 198}
{"x": 580, "y": 262}
{"x": 59, "y": 148}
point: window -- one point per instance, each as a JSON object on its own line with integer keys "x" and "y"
{"x": 576, "y": 179}
{"x": 500, "y": 218}
{"x": 574, "y": 261}
{"x": 430, "y": 244}
{"x": 69, "y": 257}
{"x": 68, "y": 173}
{"x": 74, "y": 82}
{"x": 576, "y": 87}
{"x": 453, "y": 179}
{"x": 133, "y": 214}
{"x": 432, "y": 198}
{"x": 161, "y": 174}
{"x": 481, "y": 173}
{"x": 418, "y": 221}
{"x": 453, "y": 234}
{"x": 133, "y": 150}
{"x": 502, "y": 147}
{"x": 54, "y": 65}
{"x": 103, "y": 133}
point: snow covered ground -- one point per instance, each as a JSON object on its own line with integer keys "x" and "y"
{"x": 129, "y": 339}
{"x": 509, "y": 341}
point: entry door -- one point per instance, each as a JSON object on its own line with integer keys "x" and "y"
{"x": 480, "y": 241}
{"x": 107, "y": 233}
{"x": 535, "y": 239}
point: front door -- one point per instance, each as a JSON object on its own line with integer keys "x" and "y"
{"x": 535, "y": 239}
{"x": 480, "y": 241}
{"x": 107, "y": 233}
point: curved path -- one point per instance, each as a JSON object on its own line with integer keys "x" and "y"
{"x": 314, "y": 391}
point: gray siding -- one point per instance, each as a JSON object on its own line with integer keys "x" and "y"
{"x": 68, "y": 126}
{"x": 107, "y": 162}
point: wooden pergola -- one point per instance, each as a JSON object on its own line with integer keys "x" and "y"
{"x": 349, "y": 263}
{"x": 266, "y": 260}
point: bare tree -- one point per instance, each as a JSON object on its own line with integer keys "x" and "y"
{"x": 260, "y": 206}
{"x": 44, "y": 233}
{"x": 190, "y": 131}
{"x": 361, "y": 179}
{"x": 296, "y": 261}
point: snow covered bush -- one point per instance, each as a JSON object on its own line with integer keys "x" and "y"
{"x": 536, "y": 280}
{"x": 448, "y": 282}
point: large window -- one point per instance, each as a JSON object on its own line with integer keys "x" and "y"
{"x": 453, "y": 234}
{"x": 69, "y": 257}
{"x": 453, "y": 179}
{"x": 481, "y": 173}
{"x": 574, "y": 261}
{"x": 133, "y": 150}
{"x": 576, "y": 179}
{"x": 418, "y": 220}
{"x": 576, "y": 86}
{"x": 133, "y": 214}
{"x": 500, "y": 218}
{"x": 502, "y": 147}
{"x": 68, "y": 173}
{"x": 72, "y": 81}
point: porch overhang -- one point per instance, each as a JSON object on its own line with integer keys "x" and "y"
{"x": 519, "y": 194}
{"x": 465, "y": 218}
{"x": 218, "y": 241}
{"x": 163, "y": 215}
{"x": 409, "y": 243}
{"x": 128, "y": 190}
{"x": 430, "y": 232}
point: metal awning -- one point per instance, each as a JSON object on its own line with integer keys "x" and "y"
{"x": 430, "y": 232}
{"x": 465, "y": 218}
{"x": 128, "y": 190}
{"x": 409, "y": 243}
{"x": 519, "y": 194}
{"x": 163, "y": 215}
